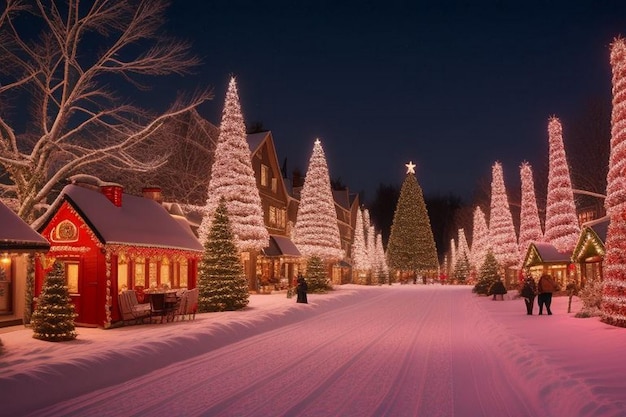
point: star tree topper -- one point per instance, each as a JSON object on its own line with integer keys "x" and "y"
{"x": 410, "y": 167}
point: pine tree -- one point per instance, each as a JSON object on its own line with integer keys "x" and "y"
{"x": 316, "y": 277}
{"x": 411, "y": 245}
{"x": 452, "y": 262}
{"x": 480, "y": 240}
{"x": 222, "y": 284}
{"x": 488, "y": 274}
{"x": 232, "y": 177}
{"x": 316, "y": 232}
{"x": 371, "y": 255}
{"x": 53, "y": 318}
{"x": 360, "y": 260}
{"x": 463, "y": 249}
{"x": 530, "y": 226}
{"x": 382, "y": 271}
{"x": 461, "y": 268}
{"x": 562, "y": 229}
{"x": 614, "y": 265}
{"x": 501, "y": 229}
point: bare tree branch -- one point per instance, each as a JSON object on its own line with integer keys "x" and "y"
{"x": 77, "y": 119}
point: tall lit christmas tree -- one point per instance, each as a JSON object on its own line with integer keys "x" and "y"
{"x": 463, "y": 247}
{"x": 530, "y": 226}
{"x": 462, "y": 265}
{"x": 501, "y": 229}
{"x": 232, "y": 177}
{"x": 452, "y": 260}
{"x": 480, "y": 240}
{"x": 562, "y": 229}
{"x": 316, "y": 232}
{"x": 614, "y": 265}
{"x": 222, "y": 284}
{"x": 371, "y": 253}
{"x": 360, "y": 261}
{"x": 53, "y": 319}
{"x": 382, "y": 270}
{"x": 411, "y": 245}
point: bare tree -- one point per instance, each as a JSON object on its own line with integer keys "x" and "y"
{"x": 70, "y": 74}
{"x": 190, "y": 141}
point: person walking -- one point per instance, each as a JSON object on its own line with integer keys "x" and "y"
{"x": 545, "y": 287}
{"x": 301, "y": 290}
{"x": 528, "y": 292}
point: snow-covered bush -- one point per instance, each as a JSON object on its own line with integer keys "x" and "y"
{"x": 591, "y": 296}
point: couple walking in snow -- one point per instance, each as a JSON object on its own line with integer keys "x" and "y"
{"x": 543, "y": 290}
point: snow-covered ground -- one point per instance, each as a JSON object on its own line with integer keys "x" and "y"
{"x": 408, "y": 350}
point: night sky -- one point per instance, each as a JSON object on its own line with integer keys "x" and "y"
{"x": 452, "y": 86}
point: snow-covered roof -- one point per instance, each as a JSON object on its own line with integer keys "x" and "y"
{"x": 544, "y": 253}
{"x": 138, "y": 222}
{"x": 17, "y": 235}
{"x": 255, "y": 139}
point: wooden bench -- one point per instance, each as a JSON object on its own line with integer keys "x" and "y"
{"x": 130, "y": 309}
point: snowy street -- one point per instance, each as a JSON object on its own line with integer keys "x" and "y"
{"x": 358, "y": 351}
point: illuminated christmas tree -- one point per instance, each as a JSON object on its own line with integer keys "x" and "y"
{"x": 53, "y": 319}
{"x": 381, "y": 271}
{"x": 232, "y": 177}
{"x": 360, "y": 260}
{"x": 371, "y": 254}
{"x": 222, "y": 284}
{"x": 452, "y": 260}
{"x": 614, "y": 264}
{"x": 562, "y": 229}
{"x": 462, "y": 265}
{"x": 530, "y": 227}
{"x": 480, "y": 240}
{"x": 463, "y": 247}
{"x": 487, "y": 275}
{"x": 316, "y": 277}
{"x": 501, "y": 229}
{"x": 411, "y": 244}
{"x": 316, "y": 232}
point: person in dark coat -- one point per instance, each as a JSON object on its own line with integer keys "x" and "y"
{"x": 301, "y": 290}
{"x": 545, "y": 287}
{"x": 528, "y": 292}
{"x": 497, "y": 289}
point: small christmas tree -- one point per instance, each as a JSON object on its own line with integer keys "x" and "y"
{"x": 53, "y": 319}
{"x": 222, "y": 284}
{"x": 488, "y": 274}
{"x": 530, "y": 226}
{"x": 316, "y": 277}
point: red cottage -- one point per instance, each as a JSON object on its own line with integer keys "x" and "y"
{"x": 110, "y": 241}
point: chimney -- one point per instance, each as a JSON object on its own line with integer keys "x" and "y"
{"x": 113, "y": 192}
{"x": 152, "y": 193}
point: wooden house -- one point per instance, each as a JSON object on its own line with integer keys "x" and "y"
{"x": 346, "y": 206}
{"x": 279, "y": 263}
{"x": 110, "y": 241}
{"x": 17, "y": 242}
{"x": 543, "y": 258}
{"x": 589, "y": 251}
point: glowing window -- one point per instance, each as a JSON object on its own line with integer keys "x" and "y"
{"x": 265, "y": 175}
{"x": 165, "y": 273}
{"x": 71, "y": 277}
{"x": 140, "y": 272}
{"x": 183, "y": 273}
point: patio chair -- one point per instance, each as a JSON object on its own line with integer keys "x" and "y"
{"x": 157, "y": 305}
{"x": 131, "y": 309}
{"x": 191, "y": 304}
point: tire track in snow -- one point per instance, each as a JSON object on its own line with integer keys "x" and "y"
{"x": 217, "y": 371}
